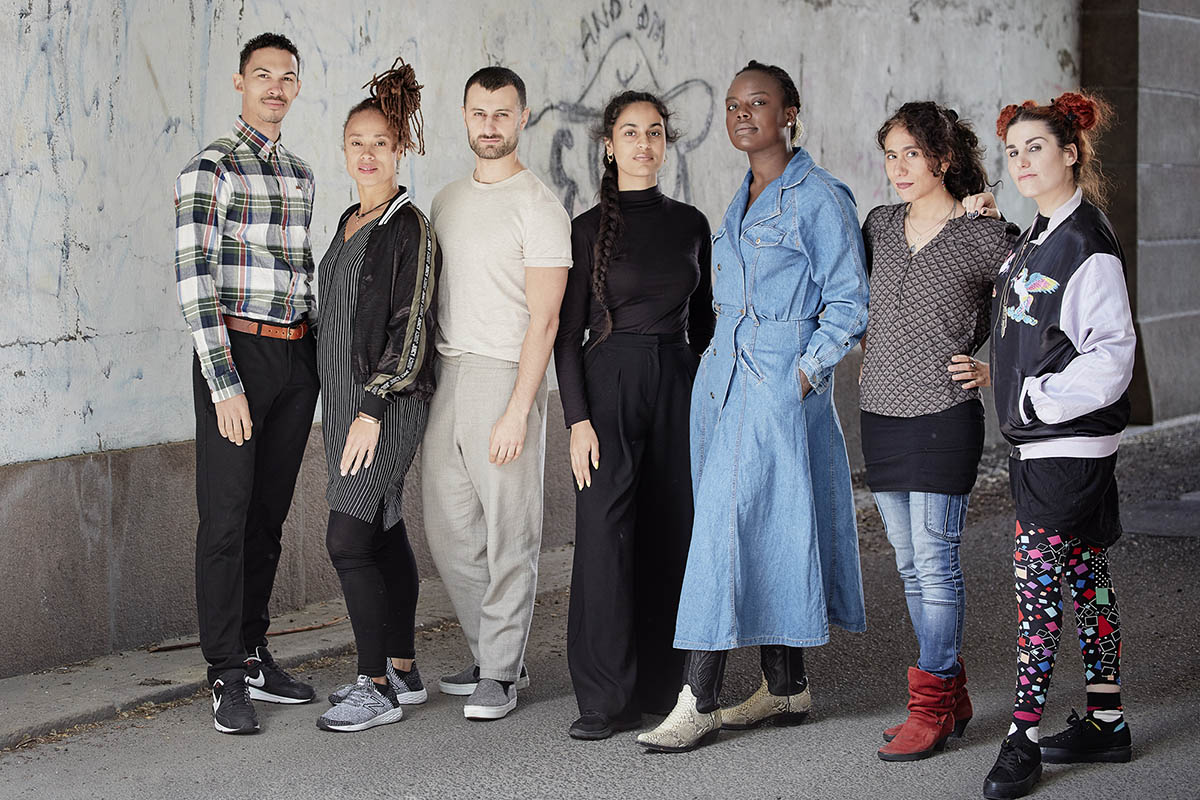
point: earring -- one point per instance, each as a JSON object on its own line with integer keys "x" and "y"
{"x": 610, "y": 158}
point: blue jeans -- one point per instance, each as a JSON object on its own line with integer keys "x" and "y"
{"x": 925, "y": 529}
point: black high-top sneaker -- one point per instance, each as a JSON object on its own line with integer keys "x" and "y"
{"x": 1087, "y": 741}
{"x": 1016, "y": 770}
{"x": 232, "y": 710}
{"x": 268, "y": 681}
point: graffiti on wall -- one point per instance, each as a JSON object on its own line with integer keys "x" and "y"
{"x": 624, "y": 47}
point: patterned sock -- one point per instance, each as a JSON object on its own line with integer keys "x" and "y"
{"x": 1105, "y": 710}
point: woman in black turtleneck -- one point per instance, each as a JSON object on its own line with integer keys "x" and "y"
{"x": 642, "y": 288}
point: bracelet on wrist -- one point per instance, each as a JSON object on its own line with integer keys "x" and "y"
{"x": 365, "y": 417}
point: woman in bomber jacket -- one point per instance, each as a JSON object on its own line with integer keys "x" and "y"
{"x": 1062, "y": 359}
{"x": 375, "y": 359}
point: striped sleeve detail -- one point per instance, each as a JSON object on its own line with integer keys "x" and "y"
{"x": 415, "y": 348}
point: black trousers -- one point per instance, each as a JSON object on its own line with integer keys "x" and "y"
{"x": 632, "y": 527}
{"x": 380, "y": 583}
{"x": 243, "y": 493}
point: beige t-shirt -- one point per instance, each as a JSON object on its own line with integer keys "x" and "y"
{"x": 488, "y": 234}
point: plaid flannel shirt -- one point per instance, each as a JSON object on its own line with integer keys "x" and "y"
{"x": 242, "y": 210}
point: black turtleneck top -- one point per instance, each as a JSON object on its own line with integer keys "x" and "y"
{"x": 659, "y": 281}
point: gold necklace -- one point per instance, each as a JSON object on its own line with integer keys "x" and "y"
{"x": 920, "y": 235}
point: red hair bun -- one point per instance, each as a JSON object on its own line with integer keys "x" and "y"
{"x": 1079, "y": 110}
{"x": 1006, "y": 115}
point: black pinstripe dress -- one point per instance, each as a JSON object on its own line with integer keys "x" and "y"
{"x": 403, "y": 424}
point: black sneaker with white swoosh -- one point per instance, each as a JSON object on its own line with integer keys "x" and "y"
{"x": 268, "y": 681}
{"x": 232, "y": 710}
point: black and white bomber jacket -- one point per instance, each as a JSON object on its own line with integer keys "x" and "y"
{"x": 1062, "y": 338}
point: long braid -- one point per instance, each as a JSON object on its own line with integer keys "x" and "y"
{"x": 606, "y": 243}
{"x": 397, "y": 95}
{"x": 611, "y": 223}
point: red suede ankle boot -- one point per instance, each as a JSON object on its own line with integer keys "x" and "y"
{"x": 930, "y": 718}
{"x": 963, "y": 710}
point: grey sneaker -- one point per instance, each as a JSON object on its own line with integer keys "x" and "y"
{"x": 365, "y": 707}
{"x": 464, "y": 683}
{"x": 490, "y": 700}
{"x": 409, "y": 689}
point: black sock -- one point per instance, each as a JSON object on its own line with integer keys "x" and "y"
{"x": 1020, "y": 736}
{"x": 1105, "y": 710}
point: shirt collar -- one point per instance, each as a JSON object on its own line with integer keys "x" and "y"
{"x": 1060, "y": 214}
{"x": 256, "y": 140}
{"x": 800, "y": 164}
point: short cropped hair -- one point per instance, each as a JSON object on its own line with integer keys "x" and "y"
{"x": 494, "y": 78}
{"x": 264, "y": 40}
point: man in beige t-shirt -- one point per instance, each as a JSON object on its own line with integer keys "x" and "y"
{"x": 506, "y": 248}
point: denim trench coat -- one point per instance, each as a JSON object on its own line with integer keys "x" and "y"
{"x": 774, "y": 552}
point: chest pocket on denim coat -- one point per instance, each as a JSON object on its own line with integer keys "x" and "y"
{"x": 763, "y": 235}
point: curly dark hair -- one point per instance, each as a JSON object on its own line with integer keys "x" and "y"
{"x": 397, "y": 95}
{"x": 943, "y": 138}
{"x": 1073, "y": 118}
{"x": 264, "y": 40}
{"x": 610, "y": 202}
{"x": 791, "y": 95}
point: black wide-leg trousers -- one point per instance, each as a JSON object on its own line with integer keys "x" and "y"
{"x": 632, "y": 527}
{"x": 243, "y": 493}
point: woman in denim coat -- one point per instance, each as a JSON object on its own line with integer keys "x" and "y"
{"x": 774, "y": 552}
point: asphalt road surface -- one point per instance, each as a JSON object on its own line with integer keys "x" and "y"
{"x": 858, "y": 689}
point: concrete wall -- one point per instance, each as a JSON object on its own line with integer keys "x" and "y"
{"x": 101, "y": 105}
{"x": 1168, "y": 211}
{"x": 1144, "y": 56}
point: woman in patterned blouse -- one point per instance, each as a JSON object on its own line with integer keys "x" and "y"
{"x": 932, "y": 258}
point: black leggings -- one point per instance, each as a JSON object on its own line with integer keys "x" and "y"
{"x": 380, "y": 583}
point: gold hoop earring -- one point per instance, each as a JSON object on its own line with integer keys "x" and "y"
{"x": 610, "y": 158}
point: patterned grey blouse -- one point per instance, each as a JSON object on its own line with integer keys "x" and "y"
{"x": 926, "y": 308}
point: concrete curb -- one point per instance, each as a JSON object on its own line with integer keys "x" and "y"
{"x": 102, "y": 688}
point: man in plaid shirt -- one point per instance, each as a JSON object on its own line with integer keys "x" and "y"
{"x": 244, "y": 269}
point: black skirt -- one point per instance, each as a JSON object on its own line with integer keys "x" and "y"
{"x": 1074, "y": 496}
{"x": 937, "y": 453}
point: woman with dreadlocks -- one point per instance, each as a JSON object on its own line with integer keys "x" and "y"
{"x": 774, "y": 552}
{"x": 641, "y": 287}
{"x": 375, "y": 360}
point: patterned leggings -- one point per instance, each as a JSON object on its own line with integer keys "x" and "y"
{"x": 1041, "y": 559}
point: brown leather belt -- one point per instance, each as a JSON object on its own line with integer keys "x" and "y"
{"x": 291, "y": 333}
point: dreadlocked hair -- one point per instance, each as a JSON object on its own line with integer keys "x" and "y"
{"x": 791, "y": 96}
{"x": 943, "y": 138}
{"x": 397, "y": 95}
{"x": 1073, "y": 118}
{"x": 610, "y": 199}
